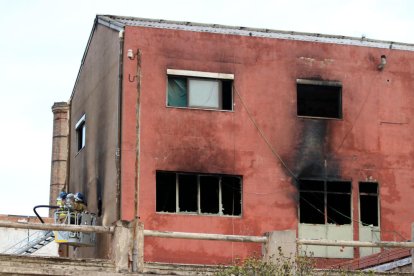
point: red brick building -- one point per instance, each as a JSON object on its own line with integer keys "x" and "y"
{"x": 232, "y": 130}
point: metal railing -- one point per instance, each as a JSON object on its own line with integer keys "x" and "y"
{"x": 204, "y": 236}
{"x": 128, "y": 239}
{"x": 58, "y": 227}
{"x": 26, "y": 242}
{"x": 201, "y": 236}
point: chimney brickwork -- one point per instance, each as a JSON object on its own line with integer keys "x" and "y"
{"x": 59, "y": 151}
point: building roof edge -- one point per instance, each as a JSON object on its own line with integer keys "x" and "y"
{"x": 119, "y": 21}
{"x": 105, "y": 21}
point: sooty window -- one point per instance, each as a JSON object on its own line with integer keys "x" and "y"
{"x": 203, "y": 90}
{"x": 80, "y": 128}
{"x": 368, "y": 203}
{"x": 321, "y": 99}
{"x": 322, "y": 202}
{"x": 197, "y": 193}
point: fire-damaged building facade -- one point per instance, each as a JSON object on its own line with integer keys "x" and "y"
{"x": 231, "y": 130}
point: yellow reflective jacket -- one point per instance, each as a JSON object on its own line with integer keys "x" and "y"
{"x": 80, "y": 207}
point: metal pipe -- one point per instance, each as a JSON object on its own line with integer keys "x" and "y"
{"x": 138, "y": 139}
{"x": 58, "y": 227}
{"x": 119, "y": 138}
{"x": 385, "y": 244}
{"x": 43, "y": 206}
{"x": 203, "y": 236}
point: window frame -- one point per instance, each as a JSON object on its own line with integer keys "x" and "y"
{"x": 199, "y": 212}
{"x": 373, "y": 194}
{"x": 200, "y": 75}
{"x": 321, "y": 83}
{"x": 325, "y": 193}
{"x": 80, "y": 130}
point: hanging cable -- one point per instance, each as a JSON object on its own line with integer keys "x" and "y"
{"x": 263, "y": 136}
{"x": 316, "y": 208}
{"x": 353, "y": 123}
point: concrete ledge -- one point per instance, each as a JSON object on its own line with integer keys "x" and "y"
{"x": 179, "y": 269}
{"x": 34, "y": 265}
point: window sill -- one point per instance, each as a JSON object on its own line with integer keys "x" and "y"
{"x": 325, "y": 224}
{"x": 198, "y": 215}
{"x": 319, "y": 118}
{"x": 79, "y": 151}
{"x": 197, "y": 108}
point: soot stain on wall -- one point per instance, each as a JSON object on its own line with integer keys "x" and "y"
{"x": 313, "y": 157}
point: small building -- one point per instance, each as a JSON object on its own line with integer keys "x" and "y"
{"x": 25, "y": 241}
{"x": 231, "y": 130}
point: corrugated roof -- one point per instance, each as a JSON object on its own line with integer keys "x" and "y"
{"x": 119, "y": 22}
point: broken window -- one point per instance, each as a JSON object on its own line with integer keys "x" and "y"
{"x": 321, "y": 99}
{"x": 80, "y": 128}
{"x": 187, "y": 193}
{"x": 209, "y": 194}
{"x": 166, "y": 200}
{"x": 199, "y": 90}
{"x": 322, "y": 202}
{"x": 368, "y": 203}
{"x": 198, "y": 193}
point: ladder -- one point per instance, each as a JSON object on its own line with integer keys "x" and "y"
{"x": 29, "y": 245}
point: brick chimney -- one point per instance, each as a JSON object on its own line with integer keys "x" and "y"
{"x": 59, "y": 151}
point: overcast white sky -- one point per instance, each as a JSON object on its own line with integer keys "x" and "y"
{"x": 42, "y": 43}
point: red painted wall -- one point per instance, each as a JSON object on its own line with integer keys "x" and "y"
{"x": 372, "y": 141}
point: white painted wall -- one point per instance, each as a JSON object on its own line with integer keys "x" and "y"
{"x": 328, "y": 232}
{"x": 11, "y": 236}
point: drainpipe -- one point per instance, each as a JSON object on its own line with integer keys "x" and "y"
{"x": 138, "y": 142}
{"x": 119, "y": 140}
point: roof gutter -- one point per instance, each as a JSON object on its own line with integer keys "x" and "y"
{"x": 110, "y": 23}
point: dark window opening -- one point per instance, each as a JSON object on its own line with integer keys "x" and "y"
{"x": 368, "y": 187}
{"x": 311, "y": 185}
{"x": 231, "y": 194}
{"x": 166, "y": 192}
{"x": 187, "y": 187}
{"x": 319, "y": 100}
{"x": 322, "y": 202}
{"x": 368, "y": 203}
{"x": 200, "y": 93}
{"x": 338, "y": 202}
{"x": 311, "y": 208}
{"x": 209, "y": 194}
{"x": 338, "y": 187}
{"x": 198, "y": 193}
{"x": 339, "y": 208}
{"x": 227, "y": 95}
{"x": 80, "y": 133}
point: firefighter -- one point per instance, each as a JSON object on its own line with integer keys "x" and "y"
{"x": 61, "y": 203}
{"x": 60, "y": 200}
{"x": 79, "y": 207}
{"x": 80, "y": 204}
{"x": 70, "y": 209}
{"x": 70, "y": 202}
